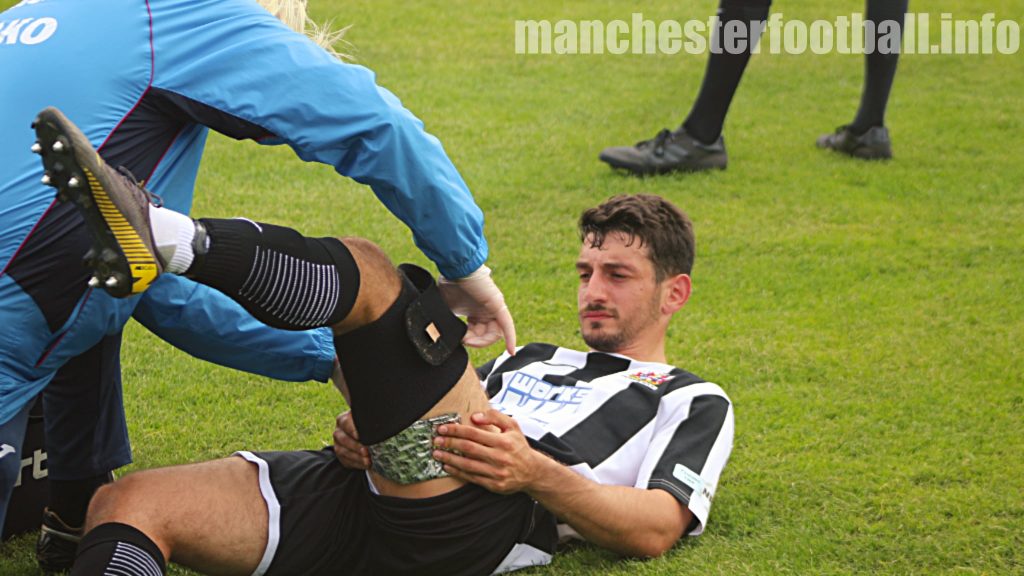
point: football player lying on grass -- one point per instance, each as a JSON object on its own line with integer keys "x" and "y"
{"x": 464, "y": 472}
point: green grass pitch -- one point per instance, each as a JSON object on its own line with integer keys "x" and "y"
{"x": 866, "y": 319}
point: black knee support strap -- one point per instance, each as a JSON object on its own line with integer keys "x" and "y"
{"x": 400, "y": 365}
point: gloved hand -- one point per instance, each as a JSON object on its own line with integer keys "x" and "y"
{"x": 478, "y": 298}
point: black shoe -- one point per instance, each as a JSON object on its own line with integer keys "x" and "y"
{"x": 116, "y": 208}
{"x": 871, "y": 145}
{"x": 57, "y": 543}
{"x": 667, "y": 152}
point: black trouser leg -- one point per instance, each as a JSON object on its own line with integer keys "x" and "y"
{"x": 724, "y": 71}
{"x": 879, "y": 67}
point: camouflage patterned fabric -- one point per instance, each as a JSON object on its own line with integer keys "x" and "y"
{"x": 406, "y": 457}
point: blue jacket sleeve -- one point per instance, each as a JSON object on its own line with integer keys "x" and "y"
{"x": 209, "y": 325}
{"x": 235, "y": 57}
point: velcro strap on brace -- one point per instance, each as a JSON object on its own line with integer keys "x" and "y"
{"x": 406, "y": 458}
{"x": 400, "y": 365}
{"x": 433, "y": 329}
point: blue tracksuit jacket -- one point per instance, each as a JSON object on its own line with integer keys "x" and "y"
{"x": 145, "y": 80}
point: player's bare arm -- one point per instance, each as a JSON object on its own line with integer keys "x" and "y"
{"x": 496, "y": 455}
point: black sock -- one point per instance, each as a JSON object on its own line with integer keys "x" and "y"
{"x": 118, "y": 549}
{"x": 281, "y": 277}
{"x": 724, "y": 71}
{"x": 879, "y": 69}
{"x": 69, "y": 499}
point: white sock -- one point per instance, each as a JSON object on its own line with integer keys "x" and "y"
{"x": 172, "y": 233}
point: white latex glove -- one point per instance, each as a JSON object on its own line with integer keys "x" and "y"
{"x": 478, "y": 298}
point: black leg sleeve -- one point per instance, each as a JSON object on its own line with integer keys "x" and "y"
{"x": 281, "y": 277}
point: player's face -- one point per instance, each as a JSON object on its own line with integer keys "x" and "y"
{"x": 619, "y": 301}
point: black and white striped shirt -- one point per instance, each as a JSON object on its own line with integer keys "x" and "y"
{"x": 619, "y": 421}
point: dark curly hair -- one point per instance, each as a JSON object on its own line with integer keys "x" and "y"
{"x": 655, "y": 222}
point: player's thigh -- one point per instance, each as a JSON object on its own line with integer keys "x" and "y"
{"x": 465, "y": 398}
{"x": 210, "y": 516}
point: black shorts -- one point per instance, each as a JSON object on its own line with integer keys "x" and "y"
{"x": 324, "y": 519}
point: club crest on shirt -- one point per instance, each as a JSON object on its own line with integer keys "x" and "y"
{"x": 652, "y": 379}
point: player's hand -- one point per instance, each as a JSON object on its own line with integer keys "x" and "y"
{"x": 347, "y": 448}
{"x": 478, "y": 298}
{"x": 493, "y": 453}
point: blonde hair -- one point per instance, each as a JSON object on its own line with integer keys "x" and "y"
{"x": 295, "y": 15}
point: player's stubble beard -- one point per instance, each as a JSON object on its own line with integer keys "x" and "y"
{"x": 598, "y": 336}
